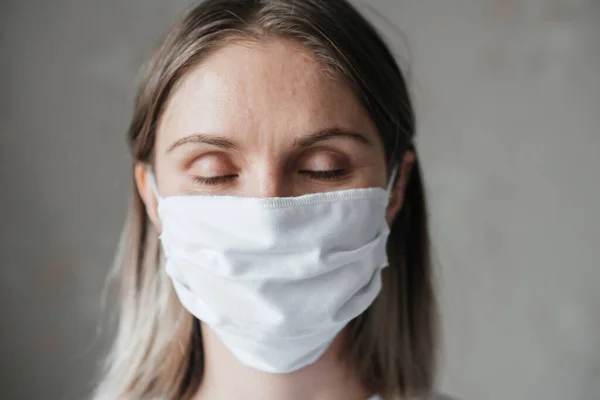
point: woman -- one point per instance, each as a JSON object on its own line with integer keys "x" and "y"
{"x": 276, "y": 246}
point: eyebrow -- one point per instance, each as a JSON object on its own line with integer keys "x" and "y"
{"x": 330, "y": 133}
{"x": 302, "y": 142}
{"x": 216, "y": 141}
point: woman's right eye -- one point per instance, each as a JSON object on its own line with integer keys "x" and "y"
{"x": 213, "y": 180}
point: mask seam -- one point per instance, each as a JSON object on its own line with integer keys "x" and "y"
{"x": 373, "y": 243}
{"x": 283, "y": 203}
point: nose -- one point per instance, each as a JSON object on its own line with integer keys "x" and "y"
{"x": 266, "y": 182}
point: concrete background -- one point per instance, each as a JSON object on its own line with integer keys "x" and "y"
{"x": 508, "y": 98}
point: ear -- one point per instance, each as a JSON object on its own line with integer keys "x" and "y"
{"x": 145, "y": 191}
{"x": 397, "y": 193}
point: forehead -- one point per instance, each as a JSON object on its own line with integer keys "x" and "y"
{"x": 271, "y": 86}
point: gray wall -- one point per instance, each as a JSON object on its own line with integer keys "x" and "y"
{"x": 508, "y": 98}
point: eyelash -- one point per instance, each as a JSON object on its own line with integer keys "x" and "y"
{"x": 215, "y": 180}
{"x": 325, "y": 175}
{"x": 320, "y": 175}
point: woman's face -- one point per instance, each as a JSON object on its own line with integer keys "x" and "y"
{"x": 264, "y": 120}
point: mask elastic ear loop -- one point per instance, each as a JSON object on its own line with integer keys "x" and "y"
{"x": 392, "y": 180}
{"x": 152, "y": 181}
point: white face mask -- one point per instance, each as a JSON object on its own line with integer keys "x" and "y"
{"x": 276, "y": 279}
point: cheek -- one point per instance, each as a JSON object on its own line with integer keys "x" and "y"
{"x": 378, "y": 174}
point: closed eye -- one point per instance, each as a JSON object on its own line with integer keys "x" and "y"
{"x": 326, "y": 175}
{"x": 213, "y": 180}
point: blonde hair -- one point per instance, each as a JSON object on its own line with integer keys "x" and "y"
{"x": 158, "y": 348}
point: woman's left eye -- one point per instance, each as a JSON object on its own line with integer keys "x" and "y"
{"x": 324, "y": 175}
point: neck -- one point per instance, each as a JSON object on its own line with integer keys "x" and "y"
{"x": 226, "y": 378}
